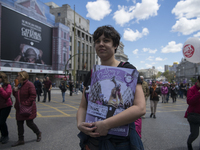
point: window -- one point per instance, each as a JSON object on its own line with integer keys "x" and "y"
{"x": 83, "y": 36}
{"x": 64, "y": 35}
{"x": 70, "y": 48}
{"x": 86, "y": 37}
{"x": 79, "y": 34}
{"x": 83, "y": 46}
{"x": 70, "y": 65}
{"x": 70, "y": 39}
{"x": 79, "y": 20}
{"x": 58, "y": 14}
{"x": 64, "y": 58}
{"x": 64, "y": 44}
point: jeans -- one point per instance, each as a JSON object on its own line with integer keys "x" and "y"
{"x": 63, "y": 96}
{"x": 4, "y": 112}
{"x": 112, "y": 142}
{"x": 153, "y": 106}
{"x": 30, "y": 124}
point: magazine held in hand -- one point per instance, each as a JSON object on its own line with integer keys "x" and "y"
{"x": 112, "y": 91}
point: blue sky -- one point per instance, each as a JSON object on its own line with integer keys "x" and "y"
{"x": 152, "y": 31}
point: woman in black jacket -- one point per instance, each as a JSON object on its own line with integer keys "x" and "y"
{"x": 154, "y": 98}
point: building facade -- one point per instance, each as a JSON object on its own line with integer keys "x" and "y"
{"x": 187, "y": 70}
{"x": 148, "y": 73}
{"x": 82, "y": 53}
{"x": 31, "y": 41}
{"x": 119, "y": 55}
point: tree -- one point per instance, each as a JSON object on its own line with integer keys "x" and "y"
{"x": 169, "y": 75}
{"x": 158, "y": 74}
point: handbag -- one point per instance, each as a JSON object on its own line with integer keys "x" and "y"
{"x": 194, "y": 118}
{"x": 23, "y": 109}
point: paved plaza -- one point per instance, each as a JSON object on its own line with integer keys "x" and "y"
{"x": 57, "y": 121}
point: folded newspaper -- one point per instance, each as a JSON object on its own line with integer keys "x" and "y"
{"x": 112, "y": 91}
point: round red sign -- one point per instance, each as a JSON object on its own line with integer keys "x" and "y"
{"x": 65, "y": 78}
{"x": 188, "y": 50}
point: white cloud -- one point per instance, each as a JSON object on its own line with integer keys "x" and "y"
{"x": 172, "y": 47}
{"x": 145, "y": 49}
{"x": 97, "y": 10}
{"x": 150, "y": 58}
{"x": 186, "y": 26}
{"x": 160, "y": 68}
{"x": 140, "y": 11}
{"x": 148, "y": 66}
{"x": 188, "y": 14}
{"x": 142, "y": 61}
{"x": 149, "y": 50}
{"x": 197, "y": 35}
{"x": 130, "y": 35}
{"x": 135, "y": 51}
{"x": 187, "y": 8}
{"x": 160, "y": 59}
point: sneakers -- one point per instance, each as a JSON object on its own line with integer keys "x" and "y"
{"x": 4, "y": 140}
{"x": 18, "y": 143}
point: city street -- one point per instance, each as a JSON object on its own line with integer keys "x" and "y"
{"x": 57, "y": 122}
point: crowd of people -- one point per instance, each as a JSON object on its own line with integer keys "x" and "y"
{"x": 94, "y": 135}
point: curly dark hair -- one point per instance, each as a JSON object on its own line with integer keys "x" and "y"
{"x": 109, "y": 32}
{"x": 4, "y": 78}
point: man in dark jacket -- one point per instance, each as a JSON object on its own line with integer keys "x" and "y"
{"x": 63, "y": 90}
{"x": 47, "y": 86}
{"x": 71, "y": 86}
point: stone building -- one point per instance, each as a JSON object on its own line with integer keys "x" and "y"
{"x": 84, "y": 57}
{"x": 148, "y": 73}
{"x": 187, "y": 70}
{"x": 119, "y": 55}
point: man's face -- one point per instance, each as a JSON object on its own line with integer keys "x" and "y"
{"x": 142, "y": 79}
{"x": 30, "y": 60}
{"x": 47, "y": 78}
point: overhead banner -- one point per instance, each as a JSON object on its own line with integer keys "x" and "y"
{"x": 24, "y": 40}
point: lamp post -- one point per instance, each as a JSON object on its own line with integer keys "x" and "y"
{"x": 66, "y": 69}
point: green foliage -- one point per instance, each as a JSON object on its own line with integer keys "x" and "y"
{"x": 169, "y": 75}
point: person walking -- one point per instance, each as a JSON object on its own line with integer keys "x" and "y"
{"x": 77, "y": 87}
{"x": 145, "y": 89}
{"x": 5, "y": 106}
{"x": 193, "y": 112}
{"x": 47, "y": 87}
{"x": 71, "y": 86}
{"x": 173, "y": 93}
{"x": 154, "y": 98}
{"x": 25, "y": 94}
{"x": 95, "y": 135}
{"x": 63, "y": 90}
{"x": 38, "y": 88}
{"x": 164, "y": 91}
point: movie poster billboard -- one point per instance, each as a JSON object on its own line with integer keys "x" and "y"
{"x": 112, "y": 91}
{"x": 24, "y": 40}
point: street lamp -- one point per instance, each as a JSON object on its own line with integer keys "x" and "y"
{"x": 66, "y": 69}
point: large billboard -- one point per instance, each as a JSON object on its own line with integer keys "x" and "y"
{"x": 25, "y": 40}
